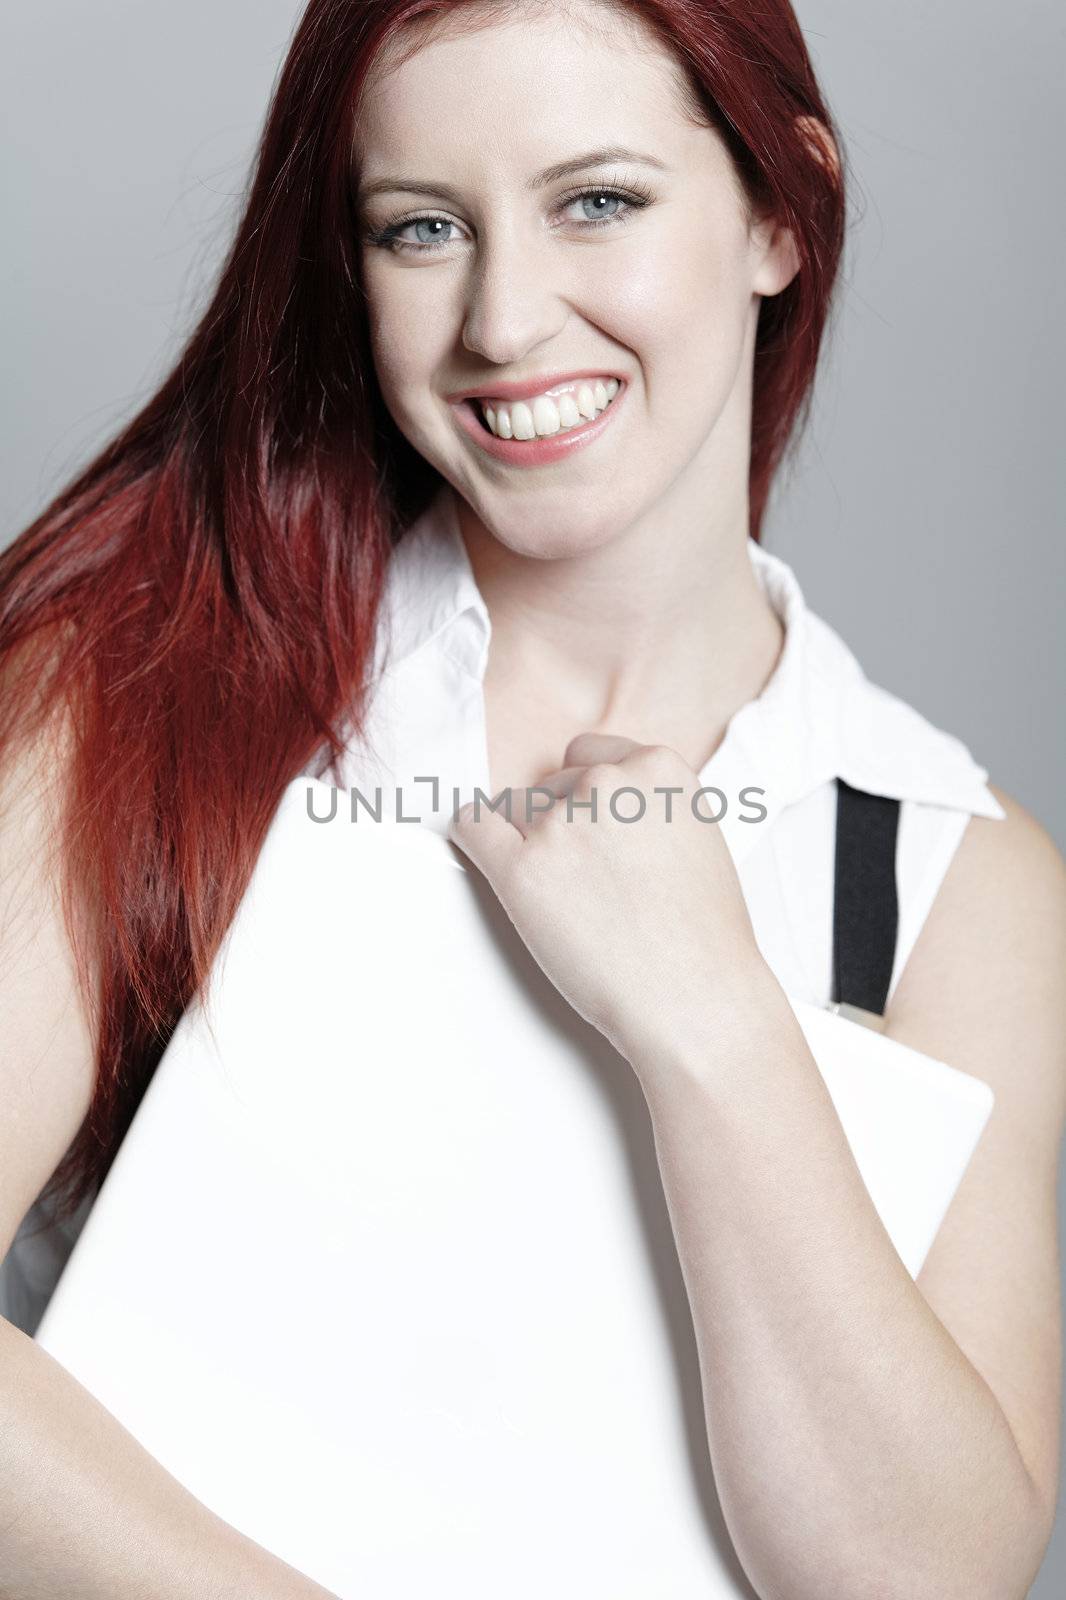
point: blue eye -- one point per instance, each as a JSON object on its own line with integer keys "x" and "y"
{"x": 427, "y": 222}
{"x": 389, "y": 237}
{"x": 602, "y": 194}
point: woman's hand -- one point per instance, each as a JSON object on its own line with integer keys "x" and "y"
{"x": 640, "y": 924}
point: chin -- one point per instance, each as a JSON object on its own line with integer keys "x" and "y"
{"x": 544, "y": 537}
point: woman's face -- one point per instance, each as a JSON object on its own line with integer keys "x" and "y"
{"x": 482, "y": 269}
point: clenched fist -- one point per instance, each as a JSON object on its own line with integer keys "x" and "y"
{"x": 629, "y": 902}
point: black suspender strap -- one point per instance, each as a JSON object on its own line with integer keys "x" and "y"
{"x": 865, "y": 907}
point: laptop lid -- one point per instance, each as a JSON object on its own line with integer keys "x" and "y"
{"x": 383, "y": 1271}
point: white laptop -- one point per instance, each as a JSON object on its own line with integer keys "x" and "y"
{"x": 383, "y": 1271}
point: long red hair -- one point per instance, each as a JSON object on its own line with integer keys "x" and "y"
{"x": 198, "y": 608}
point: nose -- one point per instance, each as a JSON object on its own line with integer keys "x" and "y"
{"x": 514, "y": 301}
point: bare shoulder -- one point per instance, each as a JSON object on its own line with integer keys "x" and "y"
{"x": 1017, "y": 851}
{"x": 993, "y": 949}
{"x": 983, "y": 988}
{"x": 984, "y": 991}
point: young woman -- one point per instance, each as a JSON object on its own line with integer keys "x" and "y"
{"x": 523, "y": 310}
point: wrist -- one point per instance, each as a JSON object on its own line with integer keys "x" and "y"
{"x": 696, "y": 1032}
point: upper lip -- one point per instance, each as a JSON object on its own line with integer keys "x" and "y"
{"x": 523, "y": 389}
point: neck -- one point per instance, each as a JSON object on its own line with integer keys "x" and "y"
{"x": 660, "y": 634}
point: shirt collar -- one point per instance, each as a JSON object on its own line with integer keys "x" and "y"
{"x": 826, "y": 719}
{"x": 818, "y": 717}
{"x": 429, "y": 587}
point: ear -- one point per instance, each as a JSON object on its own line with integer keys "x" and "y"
{"x": 780, "y": 260}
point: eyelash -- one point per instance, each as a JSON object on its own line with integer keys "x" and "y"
{"x": 635, "y": 196}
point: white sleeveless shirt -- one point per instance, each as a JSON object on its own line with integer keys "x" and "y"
{"x": 817, "y": 718}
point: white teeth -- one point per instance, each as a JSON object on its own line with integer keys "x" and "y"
{"x": 586, "y": 401}
{"x": 569, "y": 415}
{"x": 522, "y": 421}
{"x": 547, "y": 414}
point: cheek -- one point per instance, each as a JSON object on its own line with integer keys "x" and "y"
{"x": 401, "y": 326}
{"x": 681, "y": 308}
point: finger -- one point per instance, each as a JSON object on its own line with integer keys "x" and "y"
{"x": 561, "y": 786}
{"x": 486, "y": 837}
{"x": 562, "y": 780}
{"x": 586, "y": 749}
{"x": 528, "y": 805}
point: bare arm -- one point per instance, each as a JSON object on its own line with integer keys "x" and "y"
{"x": 873, "y": 1435}
{"x": 88, "y": 1512}
{"x": 84, "y": 1509}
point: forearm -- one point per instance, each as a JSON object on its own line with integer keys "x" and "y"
{"x": 856, "y": 1450}
{"x": 87, "y": 1511}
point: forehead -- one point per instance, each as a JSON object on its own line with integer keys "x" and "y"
{"x": 522, "y": 79}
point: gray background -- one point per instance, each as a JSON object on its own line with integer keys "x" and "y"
{"x": 923, "y": 513}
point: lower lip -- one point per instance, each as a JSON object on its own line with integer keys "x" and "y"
{"x": 537, "y": 452}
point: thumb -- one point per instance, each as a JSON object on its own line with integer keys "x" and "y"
{"x": 486, "y": 837}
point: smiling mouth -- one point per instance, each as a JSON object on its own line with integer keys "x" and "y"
{"x": 546, "y": 415}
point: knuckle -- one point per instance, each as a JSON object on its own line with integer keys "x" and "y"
{"x": 660, "y": 763}
{"x": 664, "y": 756}
{"x": 601, "y": 775}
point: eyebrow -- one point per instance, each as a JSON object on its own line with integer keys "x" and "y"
{"x": 560, "y": 169}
